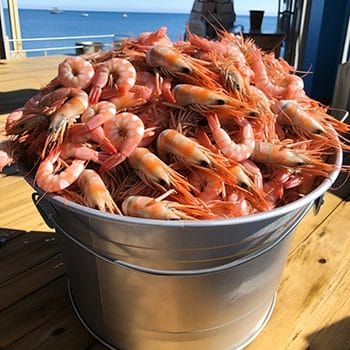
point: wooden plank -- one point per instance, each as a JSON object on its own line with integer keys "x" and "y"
{"x": 313, "y": 273}
{"x": 24, "y": 252}
{"x": 18, "y": 211}
{"x": 31, "y": 280}
{"x": 64, "y": 331}
{"x": 22, "y": 318}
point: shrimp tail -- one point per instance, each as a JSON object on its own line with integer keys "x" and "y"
{"x": 95, "y": 94}
{"x": 111, "y": 162}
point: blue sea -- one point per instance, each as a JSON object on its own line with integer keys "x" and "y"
{"x": 43, "y": 24}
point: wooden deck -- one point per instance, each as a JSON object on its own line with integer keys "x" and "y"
{"x": 313, "y": 298}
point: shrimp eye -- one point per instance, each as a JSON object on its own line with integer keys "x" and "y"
{"x": 244, "y": 185}
{"x": 319, "y": 132}
{"x": 252, "y": 114}
{"x": 220, "y": 102}
{"x": 186, "y": 70}
{"x": 163, "y": 183}
{"x": 204, "y": 164}
{"x": 300, "y": 163}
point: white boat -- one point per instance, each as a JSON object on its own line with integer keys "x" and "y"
{"x": 55, "y": 10}
{"x": 84, "y": 14}
{"x": 125, "y": 15}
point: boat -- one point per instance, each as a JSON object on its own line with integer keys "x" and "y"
{"x": 84, "y": 14}
{"x": 55, "y": 10}
{"x": 124, "y": 15}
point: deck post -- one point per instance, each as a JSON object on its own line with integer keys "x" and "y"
{"x": 15, "y": 29}
{"x": 4, "y": 49}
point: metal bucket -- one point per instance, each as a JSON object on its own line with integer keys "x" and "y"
{"x": 142, "y": 284}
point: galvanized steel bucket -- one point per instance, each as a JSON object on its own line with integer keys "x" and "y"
{"x": 142, "y": 284}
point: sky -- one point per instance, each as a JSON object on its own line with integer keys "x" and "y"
{"x": 181, "y": 6}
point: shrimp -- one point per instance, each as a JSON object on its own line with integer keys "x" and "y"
{"x": 158, "y": 37}
{"x": 261, "y": 78}
{"x": 277, "y": 154}
{"x": 229, "y": 148}
{"x": 287, "y": 86}
{"x": 13, "y": 118}
{"x": 117, "y": 73}
{"x": 98, "y": 114}
{"x": 66, "y": 115}
{"x": 315, "y": 124}
{"x": 143, "y": 91}
{"x": 203, "y": 100}
{"x": 73, "y": 72}
{"x": 6, "y": 153}
{"x": 158, "y": 208}
{"x": 173, "y": 64}
{"x": 78, "y": 134}
{"x": 253, "y": 192}
{"x": 82, "y": 152}
{"x": 240, "y": 206}
{"x": 48, "y": 178}
{"x": 232, "y": 78}
{"x": 289, "y": 113}
{"x": 95, "y": 192}
{"x": 191, "y": 153}
{"x": 274, "y": 188}
{"x": 167, "y": 60}
{"x": 171, "y": 141}
{"x": 209, "y": 184}
{"x": 33, "y": 102}
{"x": 125, "y": 131}
{"x": 186, "y": 94}
{"x": 156, "y": 173}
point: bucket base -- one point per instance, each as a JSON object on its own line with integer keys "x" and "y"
{"x": 257, "y": 331}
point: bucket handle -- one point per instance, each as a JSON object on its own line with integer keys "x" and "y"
{"x": 45, "y": 209}
{"x": 216, "y": 269}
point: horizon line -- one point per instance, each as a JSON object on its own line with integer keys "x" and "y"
{"x": 132, "y": 11}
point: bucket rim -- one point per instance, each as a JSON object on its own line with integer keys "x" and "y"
{"x": 241, "y": 220}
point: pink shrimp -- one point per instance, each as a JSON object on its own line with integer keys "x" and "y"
{"x": 154, "y": 172}
{"x": 261, "y": 78}
{"x": 289, "y": 113}
{"x": 73, "y": 72}
{"x": 204, "y": 100}
{"x": 79, "y": 135}
{"x": 175, "y": 64}
{"x": 207, "y": 182}
{"x": 229, "y": 148}
{"x": 82, "y": 152}
{"x": 118, "y": 74}
{"x": 158, "y": 208}
{"x": 66, "y": 115}
{"x": 125, "y": 131}
{"x": 50, "y": 180}
{"x": 98, "y": 114}
{"x": 158, "y": 37}
{"x": 6, "y": 153}
{"x": 33, "y": 102}
{"x": 278, "y": 154}
{"x": 95, "y": 192}
{"x": 240, "y": 206}
{"x": 13, "y": 118}
{"x": 143, "y": 91}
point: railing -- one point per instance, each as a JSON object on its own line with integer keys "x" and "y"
{"x": 45, "y": 50}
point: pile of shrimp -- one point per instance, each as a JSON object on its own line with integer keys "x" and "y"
{"x": 191, "y": 130}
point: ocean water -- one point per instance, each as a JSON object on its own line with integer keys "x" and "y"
{"x": 43, "y": 24}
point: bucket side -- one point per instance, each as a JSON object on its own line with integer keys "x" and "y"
{"x": 139, "y": 311}
{"x": 172, "y": 248}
